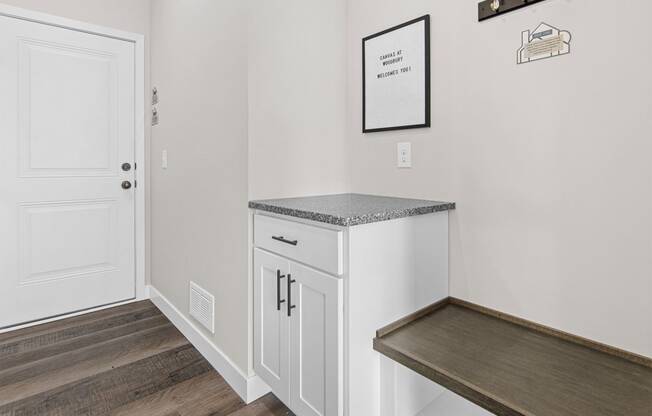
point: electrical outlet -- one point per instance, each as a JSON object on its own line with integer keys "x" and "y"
{"x": 404, "y": 155}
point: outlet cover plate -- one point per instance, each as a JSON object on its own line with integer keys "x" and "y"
{"x": 404, "y": 155}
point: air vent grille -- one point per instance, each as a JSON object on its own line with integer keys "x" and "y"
{"x": 202, "y": 307}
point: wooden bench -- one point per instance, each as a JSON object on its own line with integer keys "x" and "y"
{"x": 510, "y": 366}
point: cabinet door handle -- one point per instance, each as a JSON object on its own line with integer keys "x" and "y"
{"x": 283, "y": 240}
{"x": 279, "y": 276}
{"x": 290, "y": 305}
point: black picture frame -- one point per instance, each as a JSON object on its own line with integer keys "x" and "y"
{"x": 427, "y": 92}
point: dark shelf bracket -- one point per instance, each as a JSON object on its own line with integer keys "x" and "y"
{"x": 486, "y": 9}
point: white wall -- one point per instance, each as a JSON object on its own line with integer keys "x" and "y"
{"x": 252, "y": 105}
{"x": 199, "y": 204}
{"x": 554, "y": 219}
{"x": 128, "y": 15}
{"x": 297, "y": 98}
{"x": 549, "y": 162}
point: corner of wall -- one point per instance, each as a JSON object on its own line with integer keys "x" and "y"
{"x": 248, "y": 387}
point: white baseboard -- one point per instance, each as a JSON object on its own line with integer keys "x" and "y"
{"x": 256, "y": 388}
{"x": 248, "y": 388}
{"x": 449, "y": 403}
{"x": 145, "y": 293}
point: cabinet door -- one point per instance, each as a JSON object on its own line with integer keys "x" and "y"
{"x": 315, "y": 342}
{"x": 271, "y": 334}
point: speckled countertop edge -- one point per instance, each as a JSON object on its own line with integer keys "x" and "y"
{"x": 355, "y": 220}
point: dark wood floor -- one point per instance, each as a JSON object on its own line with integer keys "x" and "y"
{"x": 128, "y": 360}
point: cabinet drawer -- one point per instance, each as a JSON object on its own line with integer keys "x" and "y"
{"x": 318, "y": 247}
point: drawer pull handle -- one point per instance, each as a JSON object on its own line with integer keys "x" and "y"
{"x": 279, "y": 276}
{"x": 290, "y": 305}
{"x": 283, "y": 240}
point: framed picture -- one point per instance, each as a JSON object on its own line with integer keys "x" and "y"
{"x": 396, "y": 77}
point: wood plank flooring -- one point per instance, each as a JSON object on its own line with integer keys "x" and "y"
{"x": 124, "y": 361}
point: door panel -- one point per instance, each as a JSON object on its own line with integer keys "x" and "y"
{"x": 271, "y": 324}
{"x": 57, "y": 84}
{"x": 66, "y": 125}
{"x": 315, "y": 343}
{"x": 90, "y": 250}
{"x": 312, "y": 324}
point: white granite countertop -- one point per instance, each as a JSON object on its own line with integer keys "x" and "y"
{"x": 350, "y": 209}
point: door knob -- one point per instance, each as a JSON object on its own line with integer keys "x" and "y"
{"x": 126, "y": 185}
{"x": 126, "y": 167}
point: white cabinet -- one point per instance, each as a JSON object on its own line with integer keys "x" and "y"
{"x": 271, "y": 326}
{"x": 315, "y": 342}
{"x": 341, "y": 284}
{"x": 298, "y": 332}
{"x": 319, "y": 247}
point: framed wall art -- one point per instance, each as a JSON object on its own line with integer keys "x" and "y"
{"x": 396, "y": 77}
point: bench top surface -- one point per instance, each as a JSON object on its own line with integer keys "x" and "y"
{"x": 510, "y": 369}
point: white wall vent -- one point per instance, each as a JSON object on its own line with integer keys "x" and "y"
{"x": 202, "y": 307}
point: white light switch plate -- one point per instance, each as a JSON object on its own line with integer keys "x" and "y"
{"x": 164, "y": 159}
{"x": 404, "y": 155}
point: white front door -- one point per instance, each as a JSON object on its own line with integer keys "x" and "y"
{"x": 66, "y": 127}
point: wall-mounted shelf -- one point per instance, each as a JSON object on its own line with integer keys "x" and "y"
{"x": 486, "y": 11}
{"x": 512, "y": 367}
